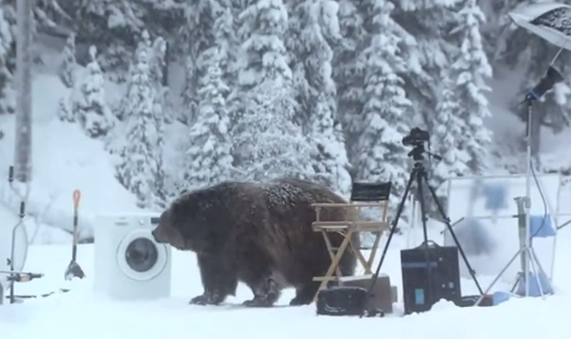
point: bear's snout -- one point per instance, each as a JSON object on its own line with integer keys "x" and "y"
{"x": 156, "y": 236}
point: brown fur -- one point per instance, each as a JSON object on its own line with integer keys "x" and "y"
{"x": 256, "y": 233}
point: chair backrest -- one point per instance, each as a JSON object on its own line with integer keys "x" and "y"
{"x": 370, "y": 192}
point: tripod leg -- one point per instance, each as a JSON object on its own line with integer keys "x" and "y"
{"x": 394, "y": 226}
{"x": 423, "y": 217}
{"x": 514, "y": 286}
{"x": 452, "y": 233}
{"x": 536, "y": 261}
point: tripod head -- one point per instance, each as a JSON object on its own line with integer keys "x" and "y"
{"x": 418, "y": 151}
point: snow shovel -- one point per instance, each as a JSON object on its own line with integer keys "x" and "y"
{"x": 73, "y": 269}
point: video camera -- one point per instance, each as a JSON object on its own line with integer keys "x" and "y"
{"x": 416, "y": 137}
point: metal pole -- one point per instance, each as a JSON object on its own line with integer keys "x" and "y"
{"x": 23, "y": 144}
{"x": 527, "y": 242}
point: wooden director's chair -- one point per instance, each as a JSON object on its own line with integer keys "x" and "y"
{"x": 363, "y": 195}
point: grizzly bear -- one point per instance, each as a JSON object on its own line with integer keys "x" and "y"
{"x": 256, "y": 233}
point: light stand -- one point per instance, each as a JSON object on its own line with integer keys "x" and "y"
{"x": 529, "y": 260}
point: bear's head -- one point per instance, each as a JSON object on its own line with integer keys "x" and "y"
{"x": 192, "y": 222}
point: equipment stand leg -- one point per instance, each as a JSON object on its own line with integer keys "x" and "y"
{"x": 535, "y": 272}
{"x": 499, "y": 276}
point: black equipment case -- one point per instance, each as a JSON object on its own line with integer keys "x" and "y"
{"x": 429, "y": 273}
{"x": 341, "y": 300}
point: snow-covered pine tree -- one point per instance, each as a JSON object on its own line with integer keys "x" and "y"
{"x": 209, "y": 159}
{"x": 348, "y": 72}
{"x": 90, "y": 107}
{"x": 140, "y": 168}
{"x": 329, "y": 157}
{"x": 7, "y": 98}
{"x": 387, "y": 114}
{"x": 67, "y": 66}
{"x": 470, "y": 70}
{"x": 268, "y": 144}
{"x": 448, "y": 132}
{"x": 66, "y": 73}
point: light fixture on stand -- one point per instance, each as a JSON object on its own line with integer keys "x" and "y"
{"x": 530, "y": 265}
{"x": 544, "y": 20}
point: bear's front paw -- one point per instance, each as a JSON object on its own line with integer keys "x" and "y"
{"x": 199, "y": 300}
{"x": 208, "y": 298}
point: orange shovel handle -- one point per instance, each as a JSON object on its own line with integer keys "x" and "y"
{"x": 76, "y": 198}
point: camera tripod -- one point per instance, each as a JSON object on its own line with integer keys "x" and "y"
{"x": 419, "y": 176}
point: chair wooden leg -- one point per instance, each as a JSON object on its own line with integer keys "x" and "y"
{"x": 364, "y": 262}
{"x": 374, "y": 249}
{"x": 331, "y": 251}
{"x": 335, "y": 262}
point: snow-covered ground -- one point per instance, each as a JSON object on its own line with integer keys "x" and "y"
{"x": 80, "y": 313}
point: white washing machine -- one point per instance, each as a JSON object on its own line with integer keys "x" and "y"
{"x": 128, "y": 263}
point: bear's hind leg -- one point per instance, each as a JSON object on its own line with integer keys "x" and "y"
{"x": 218, "y": 280}
{"x": 304, "y": 294}
{"x": 259, "y": 278}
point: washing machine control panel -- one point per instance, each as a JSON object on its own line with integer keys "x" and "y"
{"x": 137, "y": 221}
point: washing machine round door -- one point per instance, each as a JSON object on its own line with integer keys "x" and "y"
{"x": 140, "y": 257}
